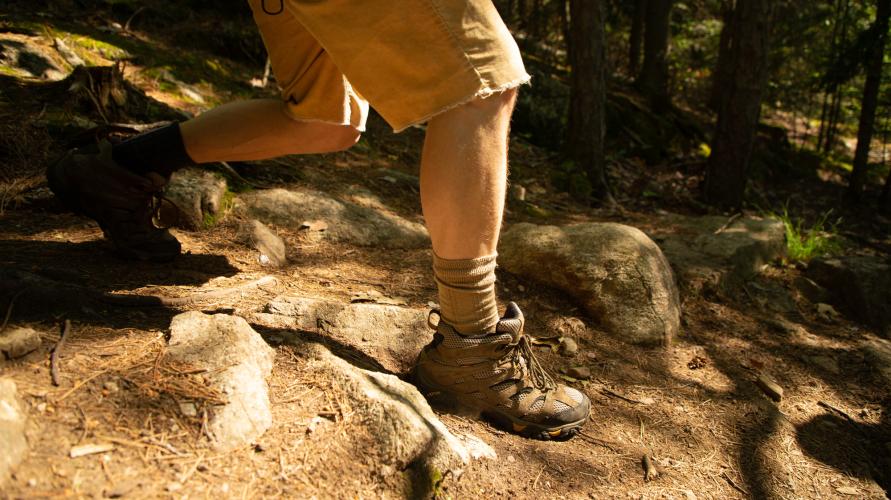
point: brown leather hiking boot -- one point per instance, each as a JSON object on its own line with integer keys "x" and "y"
{"x": 89, "y": 182}
{"x": 498, "y": 374}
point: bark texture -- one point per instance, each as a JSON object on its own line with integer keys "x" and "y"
{"x": 636, "y": 37}
{"x": 869, "y": 104}
{"x": 740, "y": 110}
{"x": 653, "y": 80}
{"x": 587, "y": 104}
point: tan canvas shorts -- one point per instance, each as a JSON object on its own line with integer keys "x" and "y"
{"x": 411, "y": 59}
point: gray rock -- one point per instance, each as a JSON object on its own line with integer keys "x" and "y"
{"x": 238, "y": 362}
{"x": 390, "y": 334}
{"x": 810, "y": 290}
{"x": 347, "y": 221}
{"x": 17, "y": 342}
{"x": 615, "y": 271}
{"x": 878, "y": 353}
{"x": 402, "y": 429}
{"x": 398, "y": 177}
{"x": 13, "y": 445}
{"x": 706, "y": 253}
{"x": 197, "y": 196}
{"x": 825, "y": 363}
{"x": 860, "y": 285}
{"x": 257, "y": 235}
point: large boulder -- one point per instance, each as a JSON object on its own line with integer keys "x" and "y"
{"x": 346, "y": 221}
{"x": 391, "y": 335}
{"x": 13, "y": 445}
{"x": 615, "y": 271}
{"x": 237, "y": 361}
{"x": 860, "y": 285}
{"x": 714, "y": 251}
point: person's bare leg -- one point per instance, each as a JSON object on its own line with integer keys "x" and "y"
{"x": 463, "y": 184}
{"x": 258, "y": 129}
{"x": 464, "y": 176}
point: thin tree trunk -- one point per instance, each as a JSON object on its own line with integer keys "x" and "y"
{"x": 653, "y": 80}
{"x": 833, "y": 49}
{"x": 835, "y": 107}
{"x": 723, "y": 73}
{"x": 886, "y": 195}
{"x": 585, "y": 143}
{"x": 834, "y": 115}
{"x": 727, "y": 172}
{"x": 870, "y": 101}
{"x": 636, "y": 37}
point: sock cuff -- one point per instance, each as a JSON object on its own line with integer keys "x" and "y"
{"x": 161, "y": 150}
{"x": 457, "y": 272}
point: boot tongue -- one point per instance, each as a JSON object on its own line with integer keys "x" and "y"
{"x": 512, "y": 322}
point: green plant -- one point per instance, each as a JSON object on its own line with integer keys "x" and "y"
{"x": 805, "y": 243}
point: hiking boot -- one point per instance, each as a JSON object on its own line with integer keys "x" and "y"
{"x": 89, "y": 182}
{"x": 498, "y": 374}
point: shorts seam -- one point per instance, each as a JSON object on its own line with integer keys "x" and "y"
{"x": 480, "y": 93}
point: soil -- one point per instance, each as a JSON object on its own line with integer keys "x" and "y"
{"x": 693, "y": 409}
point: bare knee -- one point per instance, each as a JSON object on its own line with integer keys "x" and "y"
{"x": 480, "y": 110}
{"x": 336, "y": 138}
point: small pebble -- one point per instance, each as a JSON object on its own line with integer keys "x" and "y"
{"x": 511, "y": 459}
{"x": 32, "y": 482}
{"x": 521, "y": 288}
{"x": 568, "y": 346}
{"x": 579, "y": 372}
{"x": 111, "y": 387}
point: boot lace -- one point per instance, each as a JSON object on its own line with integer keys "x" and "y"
{"x": 522, "y": 355}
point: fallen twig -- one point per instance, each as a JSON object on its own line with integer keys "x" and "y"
{"x": 833, "y": 409}
{"x": 730, "y": 221}
{"x": 9, "y": 310}
{"x": 134, "y": 300}
{"x": 650, "y": 470}
{"x": 599, "y": 442}
{"x": 617, "y": 395}
{"x": 733, "y": 484}
{"x": 54, "y": 357}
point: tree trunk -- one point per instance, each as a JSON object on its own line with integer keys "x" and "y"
{"x": 636, "y": 37}
{"x": 725, "y": 180}
{"x": 885, "y": 202}
{"x": 588, "y": 94}
{"x": 869, "y": 104}
{"x": 653, "y": 79}
{"x": 836, "y": 105}
{"x": 723, "y": 74}
{"x": 833, "y": 50}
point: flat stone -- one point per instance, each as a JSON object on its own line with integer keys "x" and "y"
{"x": 13, "y": 445}
{"x": 708, "y": 252}
{"x": 402, "y": 429}
{"x": 197, "y": 196}
{"x": 238, "y": 362}
{"x": 390, "y": 334}
{"x": 616, "y": 272}
{"x": 258, "y": 236}
{"x": 17, "y": 342}
{"x": 348, "y": 221}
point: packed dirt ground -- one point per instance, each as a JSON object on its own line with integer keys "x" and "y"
{"x": 693, "y": 408}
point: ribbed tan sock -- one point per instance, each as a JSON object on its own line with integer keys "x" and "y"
{"x": 467, "y": 293}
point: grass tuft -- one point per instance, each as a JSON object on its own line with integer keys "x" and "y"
{"x": 805, "y": 243}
